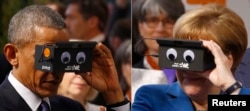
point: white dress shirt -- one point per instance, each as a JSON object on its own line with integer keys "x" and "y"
{"x": 29, "y": 97}
{"x": 99, "y": 38}
{"x": 142, "y": 77}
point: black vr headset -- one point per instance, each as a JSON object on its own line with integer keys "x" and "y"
{"x": 65, "y": 57}
{"x": 184, "y": 55}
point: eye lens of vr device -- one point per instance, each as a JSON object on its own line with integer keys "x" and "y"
{"x": 80, "y": 57}
{"x": 171, "y": 54}
{"x": 65, "y": 57}
{"x": 189, "y": 56}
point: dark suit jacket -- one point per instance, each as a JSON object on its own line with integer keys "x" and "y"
{"x": 165, "y": 98}
{"x": 10, "y": 100}
{"x": 5, "y": 67}
{"x": 242, "y": 72}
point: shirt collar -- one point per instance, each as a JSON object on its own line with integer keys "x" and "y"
{"x": 98, "y": 38}
{"x": 29, "y": 97}
{"x": 146, "y": 64}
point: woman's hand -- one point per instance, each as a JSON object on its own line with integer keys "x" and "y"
{"x": 221, "y": 75}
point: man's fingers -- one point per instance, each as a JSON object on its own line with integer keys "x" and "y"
{"x": 102, "y": 51}
{"x": 87, "y": 77}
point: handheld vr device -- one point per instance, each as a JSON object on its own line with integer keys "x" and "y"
{"x": 184, "y": 55}
{"x": 65, "y": 57}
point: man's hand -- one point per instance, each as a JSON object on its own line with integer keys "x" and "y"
{"x": 104, "y": 76}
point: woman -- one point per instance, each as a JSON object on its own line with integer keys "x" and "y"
{"x": 75, "y": 87}
{"x": 223, "y": 33}
{"x": 152, "y": 19}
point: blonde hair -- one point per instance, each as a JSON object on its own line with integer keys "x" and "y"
{"x": 218, "y": 23}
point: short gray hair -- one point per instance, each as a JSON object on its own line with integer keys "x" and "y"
{"x": 172, "y": 8}
{"x": 21, "y": 27}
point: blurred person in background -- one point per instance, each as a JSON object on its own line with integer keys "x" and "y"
{"x": 119, "y": 9}
{"x": 123, "y": 65}
{"x": 75, "y": 87}
{"x": 120, "y": 33}
{"x": 152, "y": 19}
{"x": 86, "y": 21}
{"x": 242, "y": 71}
{"x": 58, "y": 7}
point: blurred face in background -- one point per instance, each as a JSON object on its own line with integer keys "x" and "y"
{"x": 156, "y": 18}
{"x": 77, "y": 25}
{"x": 154, "y": 26}
{"x": 73, "y": 86}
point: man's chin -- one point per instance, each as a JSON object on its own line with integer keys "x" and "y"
{"x": 47, "y": 93}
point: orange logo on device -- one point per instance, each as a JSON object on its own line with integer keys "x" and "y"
{"x": 46, "y": 52}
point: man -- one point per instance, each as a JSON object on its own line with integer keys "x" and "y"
{"x": 86, "y": 19}
{"x": 27, "y": 89}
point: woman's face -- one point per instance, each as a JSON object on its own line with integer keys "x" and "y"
{"x": 154, "y": 27}
{"x": 195, "y": 84}
{"x": 74, "y": 85}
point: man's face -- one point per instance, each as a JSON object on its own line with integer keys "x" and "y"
{"x": 43, "y": 84}
{"x": 77, "y": 25}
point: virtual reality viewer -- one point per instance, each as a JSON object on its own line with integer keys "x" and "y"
{"x": 184, "y": 55}
{"x": 65, "y": 57}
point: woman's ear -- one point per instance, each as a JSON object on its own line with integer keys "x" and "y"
{"x": 10, "y": 52}
{"x": 230, "y": 60}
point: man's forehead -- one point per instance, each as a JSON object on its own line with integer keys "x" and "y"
{"x": 49, "y": 35}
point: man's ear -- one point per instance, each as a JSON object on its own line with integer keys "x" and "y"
{"x": 10, "y": 52}
{"x": 93, "y": 22}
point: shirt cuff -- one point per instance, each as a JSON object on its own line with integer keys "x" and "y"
{"x": 121, "y": 106}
